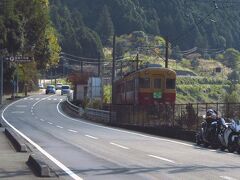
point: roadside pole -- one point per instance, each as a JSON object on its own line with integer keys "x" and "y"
{"x": 166, "y": 53}
{"x": 1, "y": 79}
{"x": 113, "y": 66}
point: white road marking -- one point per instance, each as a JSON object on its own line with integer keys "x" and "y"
{"x": 31, "y": 98}
{"x": 227, "y": 178}
{"x": 162, "y": 158}
{"x": 72, "y": 130}
{"x": 37, "y": 99}
{"x": 49, "y": 99}
{"x": 60, "y": 127}
{"x": 21, "y": 106}
{"x": 123, "y": 131}
{"x": 123, "y": 147}
{"x": 25, "y": 98}
{"x": 54, "y": 99}
{"x": 49, "y": 123}
{"x": 91, "y": 136}
{"x": 42, "y": 120}
{"x": 58, "y": 163}
{"x": 212, "y": 150}
{"x": 60, "y": 99}
{"x": 17, "y": 112}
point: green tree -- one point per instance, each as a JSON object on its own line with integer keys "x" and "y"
{"x": 231, "y": 58}
{"x": 104, "y": 26}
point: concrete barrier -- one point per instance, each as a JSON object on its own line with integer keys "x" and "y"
{"x": 16, "y": 140}
{"x": 39, "y": 167}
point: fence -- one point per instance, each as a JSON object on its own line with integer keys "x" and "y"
{"x": 183, "y": 116}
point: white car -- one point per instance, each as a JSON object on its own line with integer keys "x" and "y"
{"x": 58, "y": 86}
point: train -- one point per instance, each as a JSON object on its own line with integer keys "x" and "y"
{"x": 147, "y": 86}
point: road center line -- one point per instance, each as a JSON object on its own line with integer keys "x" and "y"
{"x": 21, "y": 106}
{"x": 60, "y": 127}
{"x": 162, "y": 158}
{"x": 91, "y": 136}
{"x": 58, "y": 163}
{"x": 49, "y": 123}
{"x": 17, "y": 112}
{"x": 227, "y": 178}
{"x": 123, "y": 147}
{"x": 72, "y": 131}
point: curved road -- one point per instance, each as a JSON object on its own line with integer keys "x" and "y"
{"x": 84, "y": 150}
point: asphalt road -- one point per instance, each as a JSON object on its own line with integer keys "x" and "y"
{"x": 84, "y": 150}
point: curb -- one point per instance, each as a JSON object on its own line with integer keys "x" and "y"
{"x": 38, "y": 166}
{"x": 16, "y": 141}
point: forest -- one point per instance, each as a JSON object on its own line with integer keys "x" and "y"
{"x": 84, "y": 24}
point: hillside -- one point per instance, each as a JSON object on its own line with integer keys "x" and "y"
{"x": 202, "y": 24}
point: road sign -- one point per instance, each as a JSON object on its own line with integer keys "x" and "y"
{"x": 18, "y": 59}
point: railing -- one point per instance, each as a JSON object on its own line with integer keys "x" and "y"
{"x": 98, "y": 115}
{"x": 73, "y": 107}
{"x": 93, "y": 114}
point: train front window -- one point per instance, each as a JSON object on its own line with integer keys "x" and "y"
{"x": 170, "y": 83}
{"x": 144, "y": 82}
{"x": 157, "y": 83}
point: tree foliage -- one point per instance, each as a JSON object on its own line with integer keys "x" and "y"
{"x": 26, "y": 29}
{"x": 186, "y": 23}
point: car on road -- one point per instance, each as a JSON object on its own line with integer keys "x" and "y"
{"x": 40, "y": 86}
{"x": 65, "y": 89}
{"x": 58, "y": 86}
{"x": 50, "y": 89}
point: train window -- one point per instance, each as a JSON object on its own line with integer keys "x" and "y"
{"x": 170, "y": 83}
{"x": 157, "y": 83}
{"x": 144, "y": 82}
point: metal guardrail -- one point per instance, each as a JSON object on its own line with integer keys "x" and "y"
{"x": 93, "y": 114}
{"x": 72, "y": 106}
{"x": 99, "y": 115}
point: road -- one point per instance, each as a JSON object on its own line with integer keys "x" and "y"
{"x": 84, "y": 150}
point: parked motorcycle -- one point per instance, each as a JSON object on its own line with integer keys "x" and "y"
{"x": 208, "y": 134}
{"x": 228, "y": 136}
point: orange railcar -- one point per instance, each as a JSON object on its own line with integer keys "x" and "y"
{"x": 148, "y": 86}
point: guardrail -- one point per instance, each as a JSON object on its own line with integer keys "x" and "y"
{"x": 93, "y": 114}
{"x": 98, "y": 115}
{"x": 72, "y": 106}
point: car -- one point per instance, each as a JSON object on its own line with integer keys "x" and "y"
{"x": 58, "y": 86}
{"x": 50, "y": 89}
{"x": 40, "y": 86}
{"x": 65, "y": 89}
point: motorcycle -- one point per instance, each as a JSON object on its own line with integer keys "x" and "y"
{"x": 208, "y": 134}
{"x": 229, "y": 136}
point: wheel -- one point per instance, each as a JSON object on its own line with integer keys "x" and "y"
{"x": 198, "y": 141}
{"x": 205, "y": 144}
{"x": 222, "y": 148}
{"x": 214, "y": 145}
{"x": 231, "y": 145}
{"x": 231, "y": 148}
{"x": 238, "y": 150}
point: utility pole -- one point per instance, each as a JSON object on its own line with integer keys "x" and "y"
{"x": 99, "y": 65}
{"x": 113, "y": 66}
{"x": 1, "y": 79}
{"x": 81, "y": 64}
{"x": 137, "y": 60}
{"x": 166, "y": 53}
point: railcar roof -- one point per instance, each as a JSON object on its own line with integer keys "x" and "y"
{"x": 147, "y": 68}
